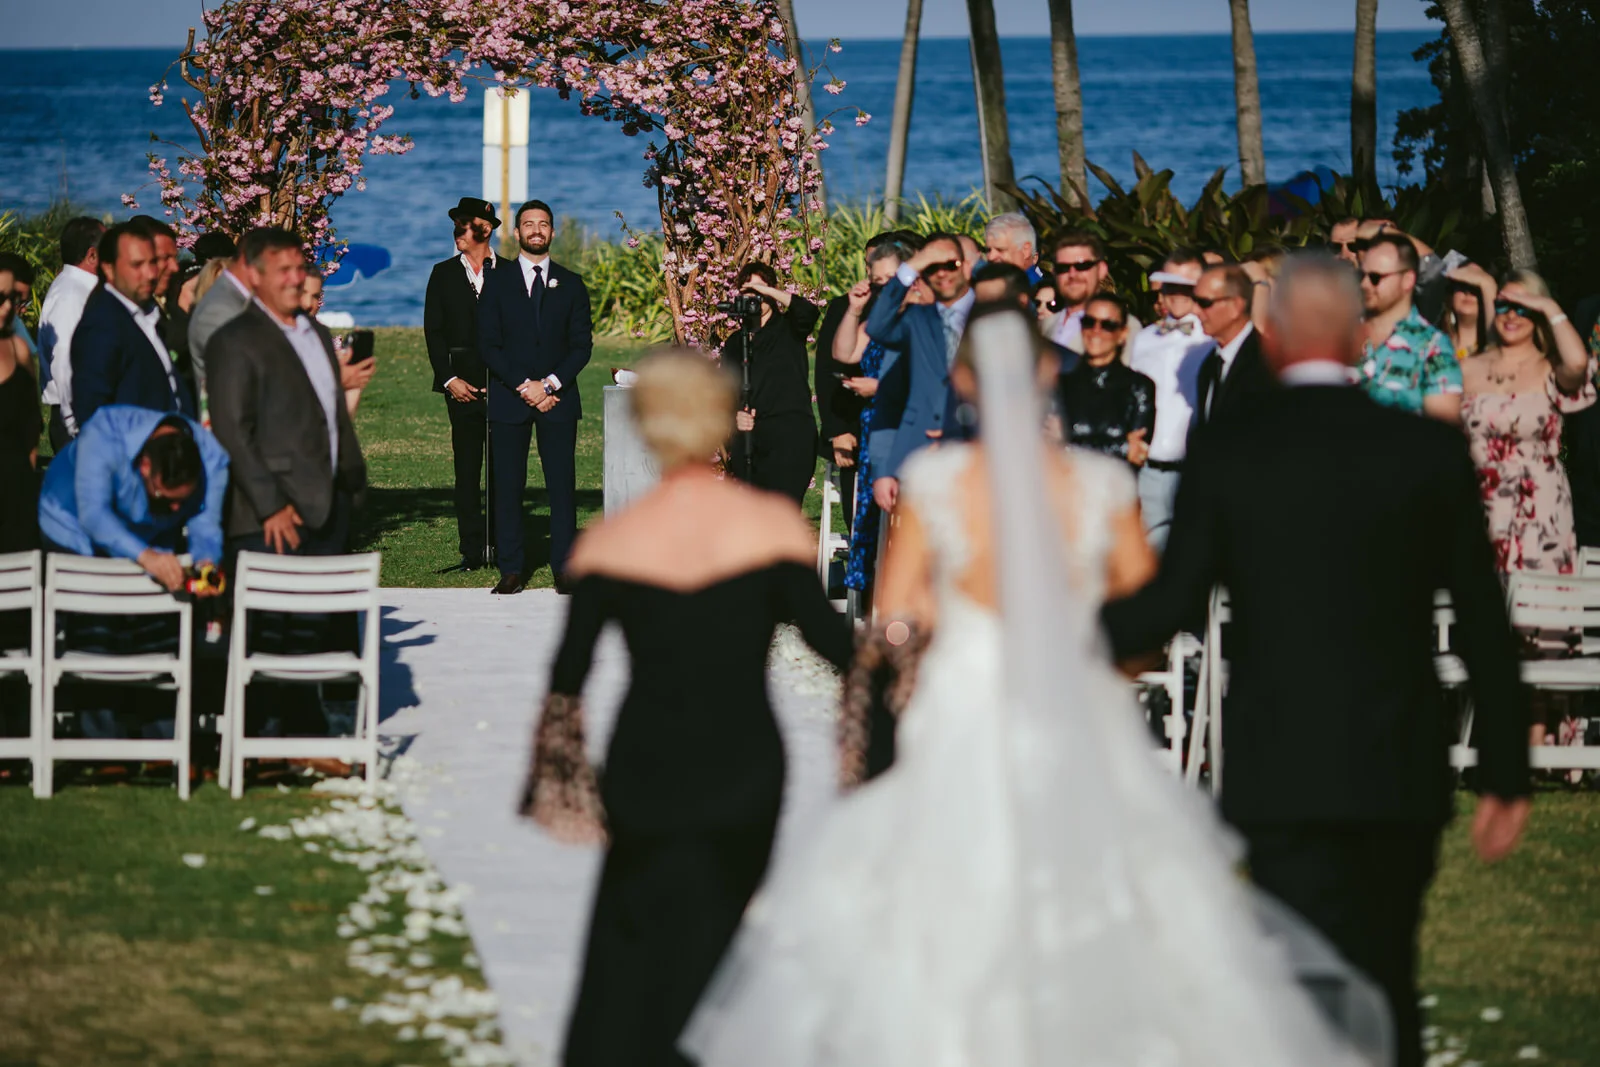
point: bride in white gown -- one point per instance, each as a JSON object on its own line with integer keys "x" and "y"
{"x": 1025, "y": 886}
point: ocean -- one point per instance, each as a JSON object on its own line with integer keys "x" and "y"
{"x": 79, "y": 124}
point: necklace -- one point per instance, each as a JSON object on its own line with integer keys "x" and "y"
{"x": 1497, "y": 373}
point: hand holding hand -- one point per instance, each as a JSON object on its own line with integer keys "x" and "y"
{"x": 1497, "y": 824}
{"x": 281, "y": 528}
{"x": 745, "y": 420}
{"x": 163, "y": 567}
{"x": 461, "y": 391}
{"x": 544, "y": 402}
{"x": 844, "y": 448}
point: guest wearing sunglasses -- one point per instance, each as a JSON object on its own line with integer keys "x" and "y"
{"x": 1516, "y": 394}
{"x": 1342, "y": 240}
{"x": 1079, "y": 272}
{"x": 1406, "y": 363}
{"x": 1108, "y": 407}
{"x": 1235, "y": 376}
{"x": 914, "y": 407}
{"x": 1044, "y": 302}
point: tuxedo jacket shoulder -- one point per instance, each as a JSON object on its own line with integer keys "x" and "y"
{"x": 1332, "y": 521}
{"x": 450, "y": 315}
{"x": 268, "y": 416}
{"x": 113, "y": 362}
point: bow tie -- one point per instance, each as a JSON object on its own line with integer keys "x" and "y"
{"x": 1184, "y": 327}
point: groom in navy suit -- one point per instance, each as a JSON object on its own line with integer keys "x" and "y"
{"x": 534, "y": 336}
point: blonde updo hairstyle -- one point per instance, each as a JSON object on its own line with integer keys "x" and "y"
{"x": 683, "y": 406}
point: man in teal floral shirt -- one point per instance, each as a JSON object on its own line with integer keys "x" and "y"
{"x": 1406, "y": 363}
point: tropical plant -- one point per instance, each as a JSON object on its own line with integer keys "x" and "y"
{"x": 1140, "y": 225}
{"x": 37, "y": 239}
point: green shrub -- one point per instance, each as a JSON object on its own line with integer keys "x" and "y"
{"x": 37, "y": 238}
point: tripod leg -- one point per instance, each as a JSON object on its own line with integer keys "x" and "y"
{"x": 489, "y": 539}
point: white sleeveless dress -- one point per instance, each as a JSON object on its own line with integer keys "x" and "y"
{"x": 1009, "y": 894}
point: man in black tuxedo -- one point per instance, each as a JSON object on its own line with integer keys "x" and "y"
{"x": 534, "y": 335}
{"x": 1335, "y": 735}
{"x": 450, "y": 325}
{"x": 119, "y": 349}
{"x": 1234, "y": 377}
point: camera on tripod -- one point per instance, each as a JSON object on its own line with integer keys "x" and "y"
{"x": 742, "y": 306}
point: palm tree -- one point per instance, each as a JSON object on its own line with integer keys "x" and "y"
{"x": 794, "y": 48}
{"x": 900, "y": 129}
{"x": 988, "y": 80}
{"x": 1247, "y": 97}
{"x": 1482, "y": 83}
{"x": 1364, "y": 103}
{"x": 1069, "y": 100}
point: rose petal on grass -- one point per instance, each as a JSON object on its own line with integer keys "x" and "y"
{"x": 1528, "y": 1052}
{"x": 265, "y": 890}
{"x": 248, "y": 824}
{"x": 1491, "y": 1015}
{"x": 1429, "y": 1001}
{"x": 194, "y": 859}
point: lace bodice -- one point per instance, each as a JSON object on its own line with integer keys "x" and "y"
{"x": 931, "y": 482}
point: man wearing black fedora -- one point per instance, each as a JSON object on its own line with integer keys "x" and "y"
{"x": 450, "y": 324}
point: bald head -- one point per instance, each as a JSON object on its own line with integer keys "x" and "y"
{"x": 1315, "y": 313}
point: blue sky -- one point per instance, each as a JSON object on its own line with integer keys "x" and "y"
{"x": 163, "y": 23}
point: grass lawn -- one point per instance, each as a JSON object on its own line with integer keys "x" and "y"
{"x": 113, "y": 951}
{"x": 405, "y": 434}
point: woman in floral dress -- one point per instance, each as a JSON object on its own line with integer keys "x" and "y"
{"x": 1516, "y": 394}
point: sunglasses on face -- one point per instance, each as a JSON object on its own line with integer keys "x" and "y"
{"x": 1108, "y": 325}
{"x": 1376, "y": 277}
{"x": 1081, "y": 267}
{"x": 1502, "y": 307}
{"x": 939, "y": 268}
{"x": 1208, "y": 302}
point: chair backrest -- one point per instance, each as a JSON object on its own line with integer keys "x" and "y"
{"x": 1564, "y": 602}
{"x": 1588, "y": 562}
{"x": 96, "y": 586}
{"x": 267, "y": 582}
{"x": 19, "y": 580}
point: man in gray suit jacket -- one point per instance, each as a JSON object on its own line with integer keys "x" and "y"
{"x": 277, "y": 407}
{"x": 225, "y": 301}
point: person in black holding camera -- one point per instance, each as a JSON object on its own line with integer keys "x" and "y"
{"x": 776, "y": 446}
{"x": 450, "y": 325}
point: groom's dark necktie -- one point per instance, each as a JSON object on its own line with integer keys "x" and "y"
{"x": 536, "y": 292}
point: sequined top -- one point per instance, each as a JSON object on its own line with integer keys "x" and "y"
{"x": 1103, "y": 405}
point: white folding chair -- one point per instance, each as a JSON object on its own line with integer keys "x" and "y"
{"x": 22, "y": 589}
{"x": 302, "y": 585}
{"x": 1205, "y": 734}
{"x": 828, "y": 541}
{"x": 1559, "y": 602}
{"x": 88, "y": 585}
{"x": 1175, "y": 727}
{"x": 1588, "y": 562}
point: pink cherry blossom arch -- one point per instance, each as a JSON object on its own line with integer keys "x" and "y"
{"x": 287, "y": 101}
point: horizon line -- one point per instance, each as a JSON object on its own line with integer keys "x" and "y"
{"x": 1309, "y": 32}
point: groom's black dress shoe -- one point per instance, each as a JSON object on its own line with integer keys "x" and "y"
{"x": 563, "y": 586}
{"x": 509, "y": 584}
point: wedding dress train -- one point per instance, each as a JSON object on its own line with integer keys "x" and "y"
{"x": 1025, "y": 886}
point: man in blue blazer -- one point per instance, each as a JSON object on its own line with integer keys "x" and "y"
{"x": 534, "y": 336}
{"x": 119, "y": 350}
{"x": 914, "y": 389}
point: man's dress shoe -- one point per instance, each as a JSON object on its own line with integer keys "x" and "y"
{"x": 509, "y": 584}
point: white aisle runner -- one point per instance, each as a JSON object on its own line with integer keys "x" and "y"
{"x": 463, "y": 673}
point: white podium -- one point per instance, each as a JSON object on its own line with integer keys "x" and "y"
{"x": 629, "y": 468}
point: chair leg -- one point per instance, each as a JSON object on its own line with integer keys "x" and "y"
{"x": 367, "y": 723}
{"x": 236, "y": 736}
{"x": 44, "y": 770}
{"x": 180, "y": 732}
{"x": 36, "y": 725}
{"x": 224, "y": 725}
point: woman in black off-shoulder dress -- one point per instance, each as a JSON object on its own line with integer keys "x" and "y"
{"x": 698, "y": 574}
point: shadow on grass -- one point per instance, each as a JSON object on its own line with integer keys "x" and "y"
{"x": 389, "y": 512}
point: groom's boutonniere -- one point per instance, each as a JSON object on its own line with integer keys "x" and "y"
{"x": 554, "y": 282}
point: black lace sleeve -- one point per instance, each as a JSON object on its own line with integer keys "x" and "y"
{"x": 881, "y": 679}
{"x": 562, "y": 793}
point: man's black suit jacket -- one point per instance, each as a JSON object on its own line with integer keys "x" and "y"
{"x": 1248, "y": 382}
{"x": 450, "y": 320}
{"x": 518, "y": 345}
{"x": 838, "y": 408}
{"x": 1331, "y": 521}
{"x": 113, "y": 362}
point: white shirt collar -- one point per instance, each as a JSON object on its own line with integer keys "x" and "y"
{"x": 476, "y": 276}
{"x": 140, "y": 315}
{"x": 529, "y": 266}
{"x": 301, "y": 324}
{"x": 71, "y": 273}
{"x": 1316, "y": 372}
{"x": 1231, "y": 349}
{"x": 244, "y": 290}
